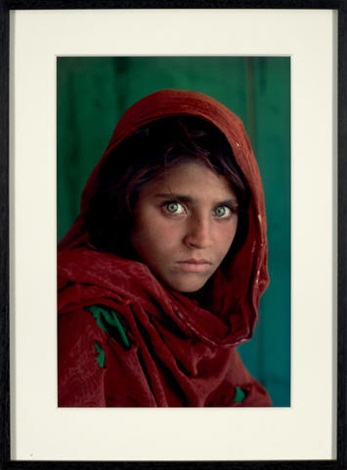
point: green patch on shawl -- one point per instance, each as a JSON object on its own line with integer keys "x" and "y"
{"x": 107, "y": 320}
{"x": 239, "y": 396}
{"x": 101, "y": 354}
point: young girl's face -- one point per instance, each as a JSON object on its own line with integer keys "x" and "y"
{"x": 185, "y": 223}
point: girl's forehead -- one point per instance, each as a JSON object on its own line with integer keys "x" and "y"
{"x": 189, "y": 178}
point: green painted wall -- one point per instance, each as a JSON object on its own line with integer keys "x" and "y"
{"x": 92, "y": 95}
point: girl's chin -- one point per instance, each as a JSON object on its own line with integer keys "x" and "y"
{"x": 186, "y": 286}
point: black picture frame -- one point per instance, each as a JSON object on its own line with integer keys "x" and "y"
{"x": 5, "y": 395}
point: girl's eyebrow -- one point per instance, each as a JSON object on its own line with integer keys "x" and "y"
{"x": 190, "y": 200}
{"x": 176, "y": 197}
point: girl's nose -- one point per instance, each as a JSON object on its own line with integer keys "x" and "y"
{"x": 199, "y": 233}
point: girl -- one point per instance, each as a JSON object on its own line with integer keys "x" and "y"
{"x": 160, "y": 276}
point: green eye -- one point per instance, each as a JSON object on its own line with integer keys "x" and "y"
{"x": 172, "y": 207}
{"x": 221, "y": 211}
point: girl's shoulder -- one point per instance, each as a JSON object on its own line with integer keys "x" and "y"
{"x": 87, "y": 265}
{"x": 93, "y": 275}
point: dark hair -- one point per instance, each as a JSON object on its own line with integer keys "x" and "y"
{"x": 146, "y": 154}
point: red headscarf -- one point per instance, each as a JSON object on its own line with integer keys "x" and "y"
{"x": 179, "y": 353}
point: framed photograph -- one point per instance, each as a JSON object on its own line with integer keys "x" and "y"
{"x": 70, "y": 72}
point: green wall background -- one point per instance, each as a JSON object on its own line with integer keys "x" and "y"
{"x": 93, "y": 93}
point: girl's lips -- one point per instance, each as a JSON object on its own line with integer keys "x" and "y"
{"x": 195, "y": 261}
{"x": 193, "y": 265}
